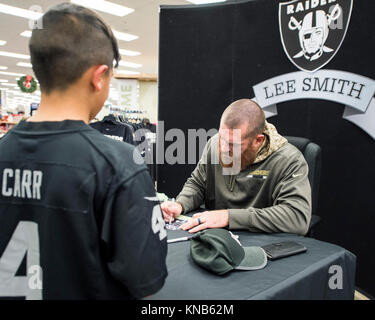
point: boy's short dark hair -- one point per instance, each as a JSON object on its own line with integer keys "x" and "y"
{"x": 72, "y": 39}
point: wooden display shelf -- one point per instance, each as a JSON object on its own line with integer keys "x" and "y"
{"x": 140, "y": 77}
{"x": 8, "y": 122}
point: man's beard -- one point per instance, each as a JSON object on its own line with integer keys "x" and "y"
{"x": 247, "y": 158}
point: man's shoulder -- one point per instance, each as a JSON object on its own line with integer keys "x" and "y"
{"x": 288, "y": 147}
{"x": 288, "y": 153}
{"x": 212, "y": 141}
{"x": 210, "y": 149}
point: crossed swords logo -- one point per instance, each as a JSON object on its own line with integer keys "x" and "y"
{"x": 306, "y": 30}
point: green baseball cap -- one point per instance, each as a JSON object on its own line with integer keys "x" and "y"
{"x": 218, "y": 251}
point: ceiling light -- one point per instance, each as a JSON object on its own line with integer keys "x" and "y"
{"x": 14, "y": 11}
{"x": 26, "y": 34}
{"x": 127, "y": 72}
{"x": 2, "y": 80}
{"x": 204, "y": 1}
{"x": 24, "y": 64}
{"x": 14, "y": 55}
{"x": 11, "y": 73}
{"x": 124, "y": 36}
{"x": 129, "y": 64}
{"x": 9, "y": 84}
{"x": 4, "y": 89}
{"x": 3, "y": 68}
{"x": 105, "y": 6}
{"x": 2, "y": 42}
{"x": 129, "y": 53}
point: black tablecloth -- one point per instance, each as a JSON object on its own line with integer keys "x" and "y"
{"x": 303, "y": 276}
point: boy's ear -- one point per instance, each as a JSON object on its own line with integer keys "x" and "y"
{"x": 99, "y": 74}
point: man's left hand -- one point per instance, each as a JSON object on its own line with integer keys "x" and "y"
{"x": 207, "y": 219}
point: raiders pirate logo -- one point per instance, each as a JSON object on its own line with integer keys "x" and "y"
{"x": 312, "y": 31}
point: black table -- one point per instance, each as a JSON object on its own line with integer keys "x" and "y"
{"x": 303, "y": 276}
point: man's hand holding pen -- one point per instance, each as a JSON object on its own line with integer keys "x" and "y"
{"x": 171, "y": 210}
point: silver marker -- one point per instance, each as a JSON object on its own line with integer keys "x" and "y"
{"x": 173, "y": 204}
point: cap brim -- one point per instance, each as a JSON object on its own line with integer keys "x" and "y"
{"x": 255, "y": 259}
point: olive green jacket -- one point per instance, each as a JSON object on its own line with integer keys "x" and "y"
{"x": 271, "y": 195}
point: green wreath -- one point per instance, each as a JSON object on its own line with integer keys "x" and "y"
{"x": 27, "y": 84}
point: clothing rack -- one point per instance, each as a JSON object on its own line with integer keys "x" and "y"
{"x": 142, "y": 131}
{"x": 132, "y": 116}
{"x": 135, "y": 116}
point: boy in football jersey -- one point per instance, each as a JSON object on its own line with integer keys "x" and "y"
{"x": 79, "y": 217}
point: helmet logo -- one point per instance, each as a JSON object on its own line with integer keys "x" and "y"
{"x": 312, "y": 31}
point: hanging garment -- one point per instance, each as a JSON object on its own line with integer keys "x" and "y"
{"x": 114, "y": 129}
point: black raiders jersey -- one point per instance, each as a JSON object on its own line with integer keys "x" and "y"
{"x": 77, "y": 219}
{"x": 114, "y": 129}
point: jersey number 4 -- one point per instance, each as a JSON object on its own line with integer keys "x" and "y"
{"x": 25, "y": 240}
{"x": 157, "y": 223}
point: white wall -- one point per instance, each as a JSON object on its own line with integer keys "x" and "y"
{"x": 148, "y": 99}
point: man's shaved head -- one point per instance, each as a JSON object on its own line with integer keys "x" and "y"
{"x": 244, "y": 111}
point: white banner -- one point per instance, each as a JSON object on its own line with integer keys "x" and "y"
{"x": 366, "y": 121}
{"x": 128, "y": 90}
{"x": 352, "y": 90}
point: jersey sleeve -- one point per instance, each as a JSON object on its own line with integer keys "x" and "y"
{"x": 128, "y": 134}
{"x": 134, "y": 233}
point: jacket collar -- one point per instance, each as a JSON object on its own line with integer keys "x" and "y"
{"x": 273, "y": 141}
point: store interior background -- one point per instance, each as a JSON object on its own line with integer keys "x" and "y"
{"x": 140, "y": 60}
{"x": 139, "y": 52}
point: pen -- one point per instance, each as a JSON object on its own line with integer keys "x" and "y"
{"x": 173, "y": 204}
{"x": 178, "y": 239}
